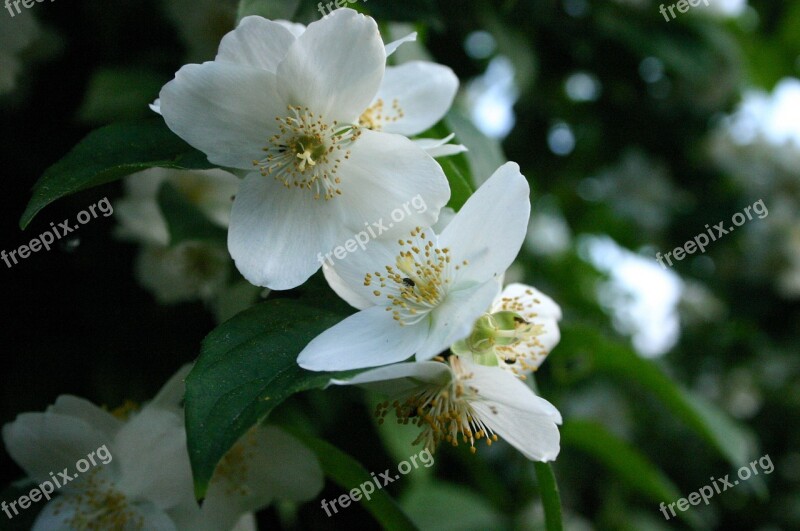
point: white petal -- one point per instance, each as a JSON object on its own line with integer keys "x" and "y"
{"x": 55, "y": 516}
{"x": 156, "y": 106}
{"x": 47, "y": 442}
{"x": 394, "y": 45}
{"x": 347, "y": 277}
{"x": 356, "y": 299}
{"x": 389, "y": 179}
{"x": 446, "y": 150}
{"x": 454, "y": 318}
{"x": 138, "y": 213}
{"x": 295, "y": 28}
{"x": 335, "y": 67}
{"x": 154, "y": 462}
{"x": 226, "y": 111}
{"x": 489, "y": 229}
{"x": 80, "y": 408}
{"x": 277, "y": 466}
{"x": 152, "y": 518}
{"x": 509, "y": 407}
{"x": 368, "y": 338}
{"x": 277, "y": 235}
{"x": 246, "y": 523}
{"x": 446, "y": 215}
{"x": 256, "y": 42}
{"x": 439, "y": 147}
{"x": 423, "y": 90}
{"x": 400, "y": 379}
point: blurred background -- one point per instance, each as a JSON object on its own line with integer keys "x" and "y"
{"x": 636, "y": 131}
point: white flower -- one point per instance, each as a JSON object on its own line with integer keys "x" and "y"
{"x": 517, "y": 333}
{"x": 412, "y": 98}
{"x": 143, "y": 479}
{"x": 455, "y": 399}
{"x": 144, "y": 475}
{"x": 266, "y": 463}
{"x": 424, "y": 292}
{"x": 289, "y": 107}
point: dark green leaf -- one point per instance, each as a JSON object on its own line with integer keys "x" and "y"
{"x": 629, "y": 465}
{"x": 108, "y": 154}
{"x": 246, "y": 368}
{"x": 119, "y": 94}
{"x": 466, "y": 511}
{"x": 619, "y": 361}
{"x": 460, "y": 189}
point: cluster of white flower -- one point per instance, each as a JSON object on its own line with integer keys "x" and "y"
{"x": 148, "y": 484}
{"x": 310, "y": 129}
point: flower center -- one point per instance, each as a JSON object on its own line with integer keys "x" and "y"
{"x": 100, "y": 506}
{"x": 518, "y": 345}
{"x": 419, "y": 280}
{"x": 375, "y": 116}
{"x": 443, "y": 412}
{"x": 307, "y": 152}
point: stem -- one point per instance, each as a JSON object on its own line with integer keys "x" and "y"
{"x": 551, "y": 499}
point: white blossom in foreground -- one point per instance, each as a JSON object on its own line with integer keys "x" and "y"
{"x": 286, "y": 108}
{"x": 420, "y": 294}
{"x": 412, "y": 97}
{"x": 456, "y": 399}
{"x": 144, "y": 479}
{"x": 517, "y": 333}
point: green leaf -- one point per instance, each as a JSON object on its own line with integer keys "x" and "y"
{"x": 348, "y": 473}
{"x": 247, "y": 366}
{"x": 592, "y": 350}
{"x": 119, "y": 94}
{"x": 629, "y": 465}
{"x": 551, "y": 499}
{"x": 460, "y": 189}
{"x": 184, "y": 220}
{"x": 465, "y": 510}
{"x": 108, "y": 154}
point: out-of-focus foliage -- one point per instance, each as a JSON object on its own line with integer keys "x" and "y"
{"x": 618, "y": 121}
